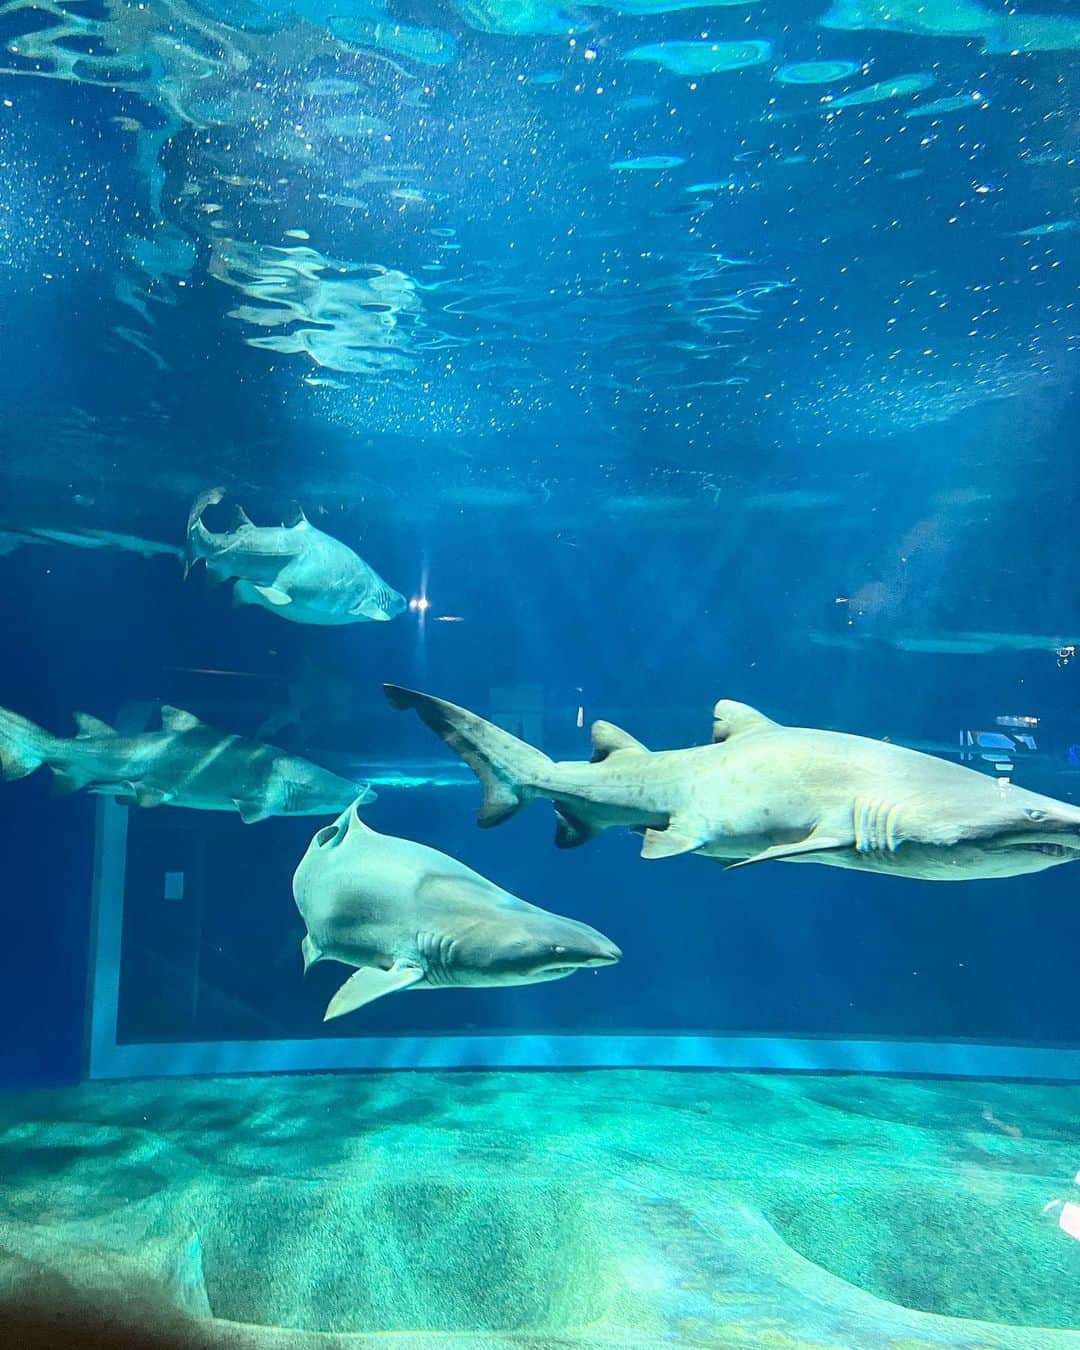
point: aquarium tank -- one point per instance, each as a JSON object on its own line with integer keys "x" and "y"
{"x": 540, "y": 699}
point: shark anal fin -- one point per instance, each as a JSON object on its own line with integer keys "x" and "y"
{"x": 681, "y": 836}
{"x": 369, "y": 983}
{"x": 273, "y": 595}
{"x": 814, "y": 843}
{"x": 570, "y": 830}
{"x": 91, "y": 726}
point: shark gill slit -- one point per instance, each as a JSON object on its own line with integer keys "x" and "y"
{"x": 437, "y": 951}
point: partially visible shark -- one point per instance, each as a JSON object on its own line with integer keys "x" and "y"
{"x": 763, "y": 791}
{"x": 295, "y": 570}
{"x": 409, "y": 917}
{"x": 186, "y": 763}
{"x": 10, "y": 540}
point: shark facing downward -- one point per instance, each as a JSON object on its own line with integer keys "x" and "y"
{"x": 295, "y": 570}
{"x": 186, "y": 763}
{"x": 762, "y": 791}
{"x": 409, "y": 917}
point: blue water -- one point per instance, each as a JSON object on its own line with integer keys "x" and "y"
{"x": 646, "y": 373}
{"x": 656, "y": 353}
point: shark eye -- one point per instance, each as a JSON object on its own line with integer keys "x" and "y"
{"x": 559, "y": 951}
{"x": 1033, "y": 813}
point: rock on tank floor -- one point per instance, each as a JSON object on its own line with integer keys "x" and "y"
{"x": 553, "y": 1210}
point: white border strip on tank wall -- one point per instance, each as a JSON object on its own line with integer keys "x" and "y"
{"x": 802, "y": 1054}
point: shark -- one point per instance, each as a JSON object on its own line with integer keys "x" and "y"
{"x": 186, "y": 763}
{"x": 409, "y": 917}
{"x": 293, "y": 570}
{"x": 762, "y": 791}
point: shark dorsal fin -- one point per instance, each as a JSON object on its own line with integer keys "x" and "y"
{"x": 176, "y": 719}
{"x": 732, "y": 719}
{"x": 241, "y": 518}
{"x": 91, "y": 726}
{"x": 607, "y": 738}
{"x": 295, "y": 517}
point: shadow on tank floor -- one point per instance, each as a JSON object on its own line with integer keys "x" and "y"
{"x": 39, "y": 1323}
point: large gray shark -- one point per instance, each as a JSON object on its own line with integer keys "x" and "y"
{"x": 763, "y": 791}
{"x": 410, "y": 917}
{"x": 186, "y": 763}
{"x": 295, "y": 571}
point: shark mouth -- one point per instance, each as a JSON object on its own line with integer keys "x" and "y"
{"x": 1047, "y": 850}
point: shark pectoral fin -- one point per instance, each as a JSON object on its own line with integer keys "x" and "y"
{"x": 681, "y": 836}
{"x": 369, "y": 983}
{"x": 815, "y": 843}
{"x": 571, "y": 830}
{"x": 310, "y": 952}
{"x": 252, "y": 811}
{"x": 273, "y": 596}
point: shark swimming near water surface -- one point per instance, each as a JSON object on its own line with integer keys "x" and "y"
{"x": 295, "y": 571}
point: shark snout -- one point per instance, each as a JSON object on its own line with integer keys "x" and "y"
{"x": 607, "y": 957}
{"x": 594, "y": 950}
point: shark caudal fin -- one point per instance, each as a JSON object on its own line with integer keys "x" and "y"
{"x": 199, "y": 542}
{"x": 24, "y": 746}
{"x": 505, "y": 766}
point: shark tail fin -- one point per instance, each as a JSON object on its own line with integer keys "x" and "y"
{"x": 199, "y": 540}
{"x": 24, "y": 746}
{"x": 505, "y": 766}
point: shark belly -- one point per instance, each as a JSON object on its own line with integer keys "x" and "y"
{"x": 958, "y": 862}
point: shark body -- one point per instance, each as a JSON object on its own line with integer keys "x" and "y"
{"x": 295, "y": 571}
{"x": 186, "y": 763}
{"x": 762, "y": 791}
{"x": 409, "y": 917}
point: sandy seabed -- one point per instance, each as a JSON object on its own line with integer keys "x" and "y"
{"x": 550, "y": 1210}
